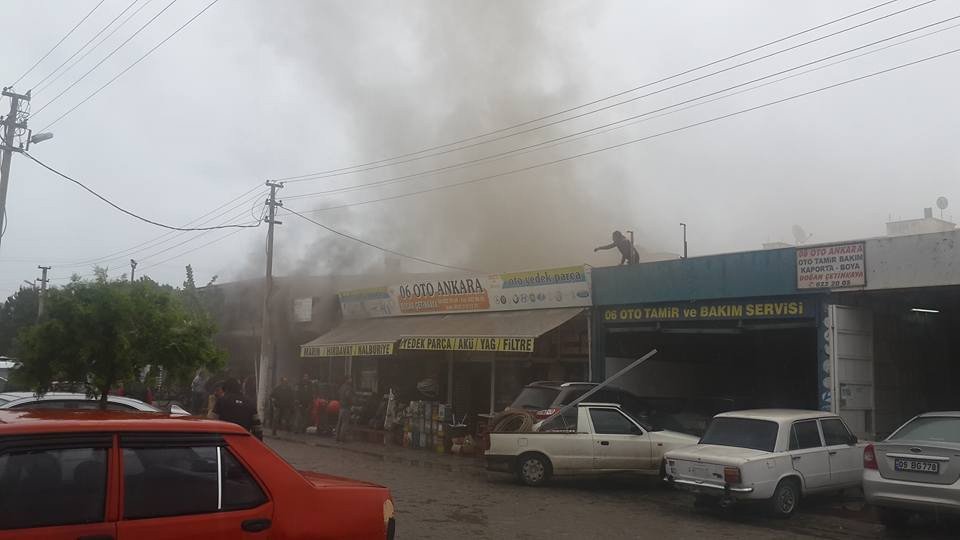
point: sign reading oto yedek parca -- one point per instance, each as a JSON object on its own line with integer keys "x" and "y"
{"x": 831, "y": 267}
{"x": 552, "y": 288}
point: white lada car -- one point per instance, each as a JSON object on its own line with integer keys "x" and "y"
{"x": 773, "y": 455}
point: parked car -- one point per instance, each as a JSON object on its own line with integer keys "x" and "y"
{"x": 176, "y": 477}
{"x": 74, "y": 400}
{"x": 593, "y": 438}
{"x": 685, "y": 415}
{"x": 916, "y": 469}
{"x": 773, "y": 455}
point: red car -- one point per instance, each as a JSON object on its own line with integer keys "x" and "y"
{"x": 94, "y": 475}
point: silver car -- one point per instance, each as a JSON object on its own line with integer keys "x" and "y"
{"x": 72, "y": 400}
{"x": 916, "y": 469}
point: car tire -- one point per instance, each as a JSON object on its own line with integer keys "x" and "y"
{"x": 533, "y": 469}
{"x": 894, "y": 518}
{"x": 785, "y": 498}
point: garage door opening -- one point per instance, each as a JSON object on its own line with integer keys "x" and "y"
{"x": 728, "y": 365}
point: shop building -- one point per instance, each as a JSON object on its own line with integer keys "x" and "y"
{"x": 864, "y": 328}
{"x": 469, "y": 342}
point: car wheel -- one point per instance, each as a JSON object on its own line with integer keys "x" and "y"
{"x": 533, "y": 469}
{"x": 894, "y": 518}
{"x": 785, "y": 498}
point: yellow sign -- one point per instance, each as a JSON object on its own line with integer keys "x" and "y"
{"x": 493, "y": 344}
{"x": 347, "y": 349}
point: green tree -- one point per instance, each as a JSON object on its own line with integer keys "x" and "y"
{"x": 19, "y": 311}
{"x": 100, "y": 333}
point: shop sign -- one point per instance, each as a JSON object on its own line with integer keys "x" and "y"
{"x": 303, "y": 309}
{"x": 492, "y": 344}
{"x": 346, "y": 349}
{"x": 712, "y": 311}
{"x": 552, "y": 288}
{"x": 831, "y": 267}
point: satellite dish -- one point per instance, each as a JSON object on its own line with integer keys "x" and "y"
{"x": 800, "y": 235}
{"x": 942, "y": 203}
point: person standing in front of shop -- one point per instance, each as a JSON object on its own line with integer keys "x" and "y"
{"x": 346, "y": 400}
{"x": 282, "y": 400}
{"x": 234, "y": 407}
{"x": 304, "y": 403}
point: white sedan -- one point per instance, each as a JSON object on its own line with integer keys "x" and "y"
{"x": 75, "y": 400}
{"x": 773, "y": 455}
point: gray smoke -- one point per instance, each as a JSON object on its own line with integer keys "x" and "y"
{"x": 408, "y": 75}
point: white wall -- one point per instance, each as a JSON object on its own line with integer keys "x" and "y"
{"x": 923, "y": 260}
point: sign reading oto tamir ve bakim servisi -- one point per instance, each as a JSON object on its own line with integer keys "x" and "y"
{"x": 537, "y": 289}
{"x": 836, "y": 266}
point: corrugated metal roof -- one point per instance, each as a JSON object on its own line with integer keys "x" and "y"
{"x": 506, "y": 324}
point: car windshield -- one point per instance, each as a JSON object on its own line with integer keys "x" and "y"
{"x": 742, "y": 433}
{"x": 535, "y": 398}
{"x": 930, "y": 428}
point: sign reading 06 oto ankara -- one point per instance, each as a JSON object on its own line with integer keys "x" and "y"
{"x": 537, "y": 289}
{"x": 831, "y": 267}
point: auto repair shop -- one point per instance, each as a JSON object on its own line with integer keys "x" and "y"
{"x": 865, "y": 328}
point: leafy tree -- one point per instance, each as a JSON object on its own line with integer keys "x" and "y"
{"x": 19, "y": 311}
{"x": 100, "y": 333}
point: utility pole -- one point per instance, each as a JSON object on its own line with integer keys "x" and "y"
{"x": 10, "y": 126}
{"x": 43, "y": 290}
{"x": 684, "y": 225}
{"x": 266, "y": 368}
{"x": 133, "y": 269}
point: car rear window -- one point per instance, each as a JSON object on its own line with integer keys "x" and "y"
{"x": 535, "y": 398}
{"x": 930, "y": 428}
{"x": 742, "y": 433}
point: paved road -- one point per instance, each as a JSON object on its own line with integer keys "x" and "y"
{"x": 441, "y": 504}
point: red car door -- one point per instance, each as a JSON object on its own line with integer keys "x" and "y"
{"x": 188, "y": 485}
{"x": 55, "y": 488}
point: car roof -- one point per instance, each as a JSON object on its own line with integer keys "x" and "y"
{"x": 777, "y": 415}
{"x": 20, "y": 397}
{"x": 940, "y": 414}
{"x": 38, "y": 421}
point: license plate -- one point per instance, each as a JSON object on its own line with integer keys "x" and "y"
{"x": 916, "y": 465}
{"x": 699, "y": 472}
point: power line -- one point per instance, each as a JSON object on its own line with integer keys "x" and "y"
{"x": 128, "y": 68}
{"x": 597, "y": 129}
{"x": 84, "y": 46}
{"x": 381, "y": 248}
{"x": 170, "y": 235}
{"x": 131, "y": 214}
{"x": 641, "y": 139}
{"x": 95, "y": 47}
{"x": 201, "y": 246}
{"x": 594, "y": 102}
{"x": 105, "y": 58}
{"x": 44, "y": 57}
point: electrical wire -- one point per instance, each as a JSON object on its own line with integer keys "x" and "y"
{"x": 596, "y": 130}
{"x": 310, "y": 176}
{"x": 201, "y": 246}
{"x": 105, "y": 58}
{"x": 133, "y": 215}
{"x": 170, "y": 235}
{"x": 82, "y": 47}
{"x": 44, "y": 57}
{"x": 128, "y": 68}
{"x": 381, "y": 248}
{"x": 95, "y": 47}
{"x": 641, "y": 139}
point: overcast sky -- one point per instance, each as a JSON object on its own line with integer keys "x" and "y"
{"x": 253, "y": 90}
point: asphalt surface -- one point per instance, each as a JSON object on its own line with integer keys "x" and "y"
{"x": 437, "y": 503}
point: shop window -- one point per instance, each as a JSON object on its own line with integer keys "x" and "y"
{"x": 52, "y": 487}
{"x": 805, "y": 435}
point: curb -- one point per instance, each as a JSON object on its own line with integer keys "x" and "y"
{"x": 469, "y": 466}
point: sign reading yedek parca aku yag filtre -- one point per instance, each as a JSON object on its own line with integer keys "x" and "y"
{"x": 538, "y": 289}
{"x": 835, "y": 266}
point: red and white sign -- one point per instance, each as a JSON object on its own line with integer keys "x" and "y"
{"x": 837, "y": 266}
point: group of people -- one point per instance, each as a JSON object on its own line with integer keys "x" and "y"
{"x": 295, "y": 409}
